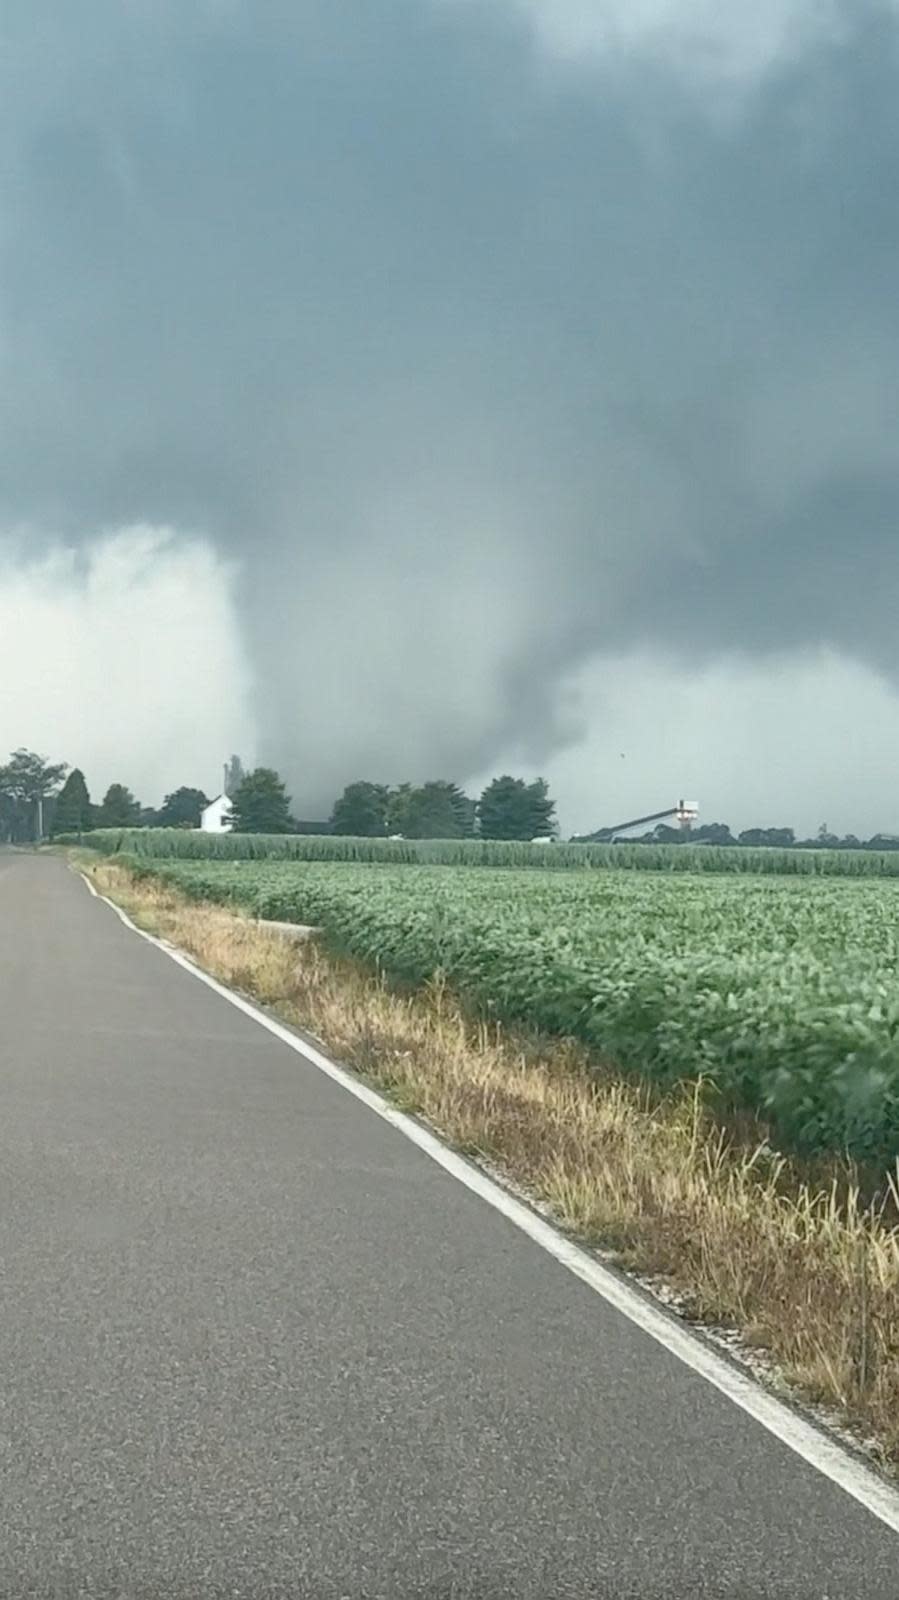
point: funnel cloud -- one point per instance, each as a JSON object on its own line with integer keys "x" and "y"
{"x": 477, "y": 341}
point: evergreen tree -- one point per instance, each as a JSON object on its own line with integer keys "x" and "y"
{"x": 397, "y": 818}
{"x": 510, "y": 808}
{"x": 439, "y": 810}
{"x": 543, "y": 810}
{"x": 361, "y": 812}
{"x": 74, "y": 812}
{"x": 466, "y": 812}
{"x": 119, "y": 808}
{"x": 261, "y": 803}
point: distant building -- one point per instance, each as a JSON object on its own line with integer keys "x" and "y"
{"x": 216, "y": 817}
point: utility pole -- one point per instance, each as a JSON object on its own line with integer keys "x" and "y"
{"x": 40, "y": 819}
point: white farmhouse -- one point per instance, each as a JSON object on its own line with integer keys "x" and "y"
{"x": 216, "y": 817}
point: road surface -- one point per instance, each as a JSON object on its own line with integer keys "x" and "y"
{"x": 255, "y": 1344}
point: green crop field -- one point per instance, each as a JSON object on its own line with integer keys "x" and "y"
{"x": 784, "y": 992}
{"x": 183, "y": 844}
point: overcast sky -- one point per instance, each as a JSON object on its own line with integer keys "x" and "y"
{"x": 411, "y": 388}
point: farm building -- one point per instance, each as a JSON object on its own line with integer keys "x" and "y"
{"x": 216, "y": 817}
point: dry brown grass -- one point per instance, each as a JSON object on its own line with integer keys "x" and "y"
{"x": 806, "y": 1273}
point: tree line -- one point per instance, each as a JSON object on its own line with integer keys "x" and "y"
{"x": 40, "y": 798}
{"x": 766, "y": 838}
{"x": 509, "y": 808}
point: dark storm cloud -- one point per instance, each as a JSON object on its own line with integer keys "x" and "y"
{"x": 479, "y": 364}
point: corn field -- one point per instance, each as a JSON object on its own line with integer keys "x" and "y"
{"x": 183, "y": 844}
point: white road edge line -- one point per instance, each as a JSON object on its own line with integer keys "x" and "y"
{"x": 805, "y": 1440}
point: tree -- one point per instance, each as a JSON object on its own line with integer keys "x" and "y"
{"x": 711, "y": 833}
{"x": 768, "y": 838}
{"x": 543, "y": 810}
{"x": 119, "y": 808}
{"x": 361, "y": 811}
{"x": 15, "y": 820}
{"x": 74, "y": 812}
{"x": 261, "y": 803}
{"x": 25, "y": 782}
{"x": 234, "y": 776}
{"x": 465, "y": 810}
{"x": 509, "y": 808}
{"x": 182, "y": 809}
{"x": 398, "y": 803}
{"x": 438, "y": 810}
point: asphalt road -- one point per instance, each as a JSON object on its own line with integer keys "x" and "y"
{"x": 255, "y": 1344}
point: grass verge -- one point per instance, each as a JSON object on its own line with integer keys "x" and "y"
{"x": 802, "y": 1269}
